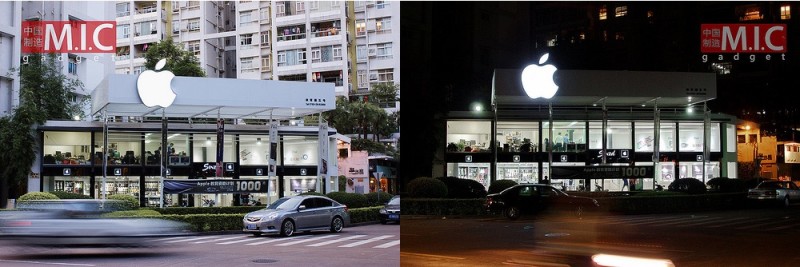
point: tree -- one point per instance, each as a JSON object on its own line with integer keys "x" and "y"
{"x": 179, "y": 61}
{"x": 45, "y": 94}
{"x": 384, "y": 93}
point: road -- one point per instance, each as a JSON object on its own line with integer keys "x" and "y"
{"x": 367, "y": 245}
{"x": 751, "y": 237}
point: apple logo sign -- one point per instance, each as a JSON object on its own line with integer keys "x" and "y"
{"x": 538, "y": 80}
{"x": 155, "y": 87}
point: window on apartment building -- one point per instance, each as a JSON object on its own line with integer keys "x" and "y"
{"x": 381, "y": 4}
{"x": 123, "y": 31}
{"x": 265, "y": 38}
{"x": 194, "y": 47}
{"x": 264, "y": 14}
{"x": 313, "y": 5}
{"x": 383, "y": 75}
{"x": 619, "y": 36}
{"x": 337, "y": 52}
{"x": 247, "y": 39}
{"x": 176, "y": 6}
{"x": 122, "y": 71}
{"x": 360, "y": 4}
{"x": 362, "y": 79}
{"x": 603, "y": 13}
{"x": 740, "y": 139}
{"x": 245, "y": 17}
{"x": 326, "y": 53}
{"x": 620, "y": 11}
{"x": 176, "y": 26}
{"x": 291, "y": 57}
{"x": 144, "y": 28}
{"x": 361, "y": 52}
{"x": 361, "y": 28}
{"x": 193, "y": 4}
{"x": 194, "y": 25}
{"x": 753, "y": 138}
{"x": 752, "y": 12}
{"x": 300, "y": 7}
{"x": 383, "y": 24}
{"x": 138, "y": 70}
{"x": 266, "y": 63}
{"x": 247, "y": 64}
{"x": 786, "y": 12}
{"x": 72, "y": 66}
{"x": 316, "y": 54}
{"x": 384, "y": 50}
{"x": 280, "y": 9}
{"x": 123, "y": 9}
{"x": 334, "y": 3}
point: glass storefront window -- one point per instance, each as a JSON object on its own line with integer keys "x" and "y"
{"x": 123, "y": 148}
{"x": 72, "y": 184}
{"x": 265, "y": 198}
{"x": 518, "y": 172}
{"x": 152, "y": 193}
{"x": 205, "y": 147}
{"x": 695, "y": 170}
{"x": 645, "y": 137}
{"x": 295, "y": 185}
{"x": 177, "y": 148}
{"x": 569, "y": 136}
{"x": 473, "y": 171}
{"x": 69, "y": 148}
{"x": 117, "y": 185}
{"x": 469, "y": 136}
{"x": 300, "y": 150}
{"x": 518, "y": 136}
{"x": 618, "y": 136}
{"x": 691, "y": 137}
{"x": 254, "y": 150}
{"x": 564, "y": 184}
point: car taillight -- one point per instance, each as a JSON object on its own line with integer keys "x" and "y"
{"x": 19, "y": 223}
{"x": 489, "y": 201}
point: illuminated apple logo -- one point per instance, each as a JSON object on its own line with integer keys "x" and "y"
{"x": 154, "y": 87}
{"x": 538, "y": 80}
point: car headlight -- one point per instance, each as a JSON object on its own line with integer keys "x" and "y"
{"x": 270, "y": 216}
{"x": 382, "y": 211}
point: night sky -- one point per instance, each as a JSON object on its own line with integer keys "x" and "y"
{"x": 451, "y": 48}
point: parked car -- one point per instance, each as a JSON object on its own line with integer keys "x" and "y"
{"x": 78, "y": 223}
{"x": 304, "y": 213}
{"x": 533, "y": 198}
{"x": 780, "y": 192}
{"x": 391, "y": 212}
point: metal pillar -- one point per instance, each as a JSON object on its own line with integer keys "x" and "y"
{"x": 105, "y": 154}
{"x": 164, "y": 155}
{"x": 706, "y": 133}
{"x": 657, "y": 141}
{"x": 549, "y": 145}
{"x": 604, "y": 133}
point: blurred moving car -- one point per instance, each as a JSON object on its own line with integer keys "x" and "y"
{"x": 780, "y": 192}
{"x": 533, "y": 198}
{"x": 391, "y": 212}
{"x": 78, "y": 223}
{"x": 289, "y": 215}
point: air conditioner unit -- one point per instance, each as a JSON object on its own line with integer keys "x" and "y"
{"x": 371, "y": 52}
{"x": 371, "y": 27}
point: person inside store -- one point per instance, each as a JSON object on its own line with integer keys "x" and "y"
{"x": 171, "y": 149}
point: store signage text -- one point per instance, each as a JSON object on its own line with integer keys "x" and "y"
{"x": 749, "y": 39}
{"x": 602, "y": 172}
{"x": 214, "y": 186}
{"x": 69, "y": 36}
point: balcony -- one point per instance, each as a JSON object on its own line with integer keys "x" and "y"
{"x": 291, "y": 37}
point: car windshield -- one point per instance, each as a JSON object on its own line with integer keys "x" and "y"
{"x": 394, "y": 201}
{"x": 284, "y": 203}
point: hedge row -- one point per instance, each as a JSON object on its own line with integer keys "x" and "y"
{"x": 207, "y": 210}
{"x": 658, "y": 203}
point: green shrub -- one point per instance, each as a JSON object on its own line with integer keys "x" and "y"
{"x": 463, "y": 188}
{"x": 429, "y": 206}
{"x": 129, "y": 202}
{"x": 688, "y": 185}
{"x": 206, "y": 222}
{"x": 377, "y": 198}
{"x": 351, "y": 200}
{"x": 69, "y": 195}
{"x": 131, "y": 213}
{"x": 426, "y": 187}
{"x": 500, "y": 185}
{"x": 37, "y": 196}
{"x": 726, "y": 185}
{"x": 361, "y": 215}
{"x": 312, "y": 194}
{"x": 208, "y": 210}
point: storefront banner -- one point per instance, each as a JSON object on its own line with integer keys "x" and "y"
{"x": 273, "y": 148}
{"x": 215, "y": 186}
{"x": 323, "y": 150}
{"x": 602, "y": 172}
{"x": 220, "y": 145}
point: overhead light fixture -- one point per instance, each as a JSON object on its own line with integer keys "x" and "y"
{"x": 258, "y": 140}
{"x": 208, "y": 141}
{"x": 690, "y": 109}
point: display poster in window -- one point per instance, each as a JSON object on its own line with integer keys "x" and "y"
{"x": 220, "y": 145}
{"x": 323, "y": 150}
{"x": 602, "y": 172}
{"x": 273, "y": 148}
{"x": 215, "y": 186}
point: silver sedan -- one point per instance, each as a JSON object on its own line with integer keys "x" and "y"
{"x": 783, "y": 192}
{"x": 289, "y": 215}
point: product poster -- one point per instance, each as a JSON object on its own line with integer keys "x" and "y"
{"x": 273, "y": 148}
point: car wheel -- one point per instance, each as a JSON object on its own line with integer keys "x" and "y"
{"x": 287, "y": 228}
{"x": 512, "y": 212}
{"x": 337, "y": 224}
{"x": 256, "y": 234}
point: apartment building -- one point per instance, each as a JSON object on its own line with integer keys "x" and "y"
{"x": 352, "y": 44}
{"x": 89, "y": 68}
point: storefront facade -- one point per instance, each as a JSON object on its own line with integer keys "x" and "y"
{"x": 74, "y": 153}
{"x": 651, "y": 123}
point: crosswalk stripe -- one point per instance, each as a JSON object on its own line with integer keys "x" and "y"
{"x": 236, "y": 241}
{"x": 337, "y": 240}
{"x": 740, "y": 222}
{"x": 393, "y": 243}
{"x": 641, "y": 219}
{"x": 272, "y": 240}
{"x": 703, "y": 221}
{"x": 365, "y": 241}
{"x": 659, "y": 222}
{"x": 217, "y": 240}
{"x": 192, "y": 239}
{"x": 776, "y": 221}
{"x": 305, "y": 240}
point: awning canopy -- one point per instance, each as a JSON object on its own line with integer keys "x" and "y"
{"x": 614, "y": 88}
{"x": 198, "y": 97}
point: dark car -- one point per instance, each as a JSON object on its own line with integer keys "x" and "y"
{"x": 391, "y": 212}
{"x": 533, "y": 198}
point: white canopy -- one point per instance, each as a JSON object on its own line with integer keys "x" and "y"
{"x": 207, "y": 97}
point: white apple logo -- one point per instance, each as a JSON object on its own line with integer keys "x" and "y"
{"x": 155, "y": 87}
{"x": 538, "y": 80}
